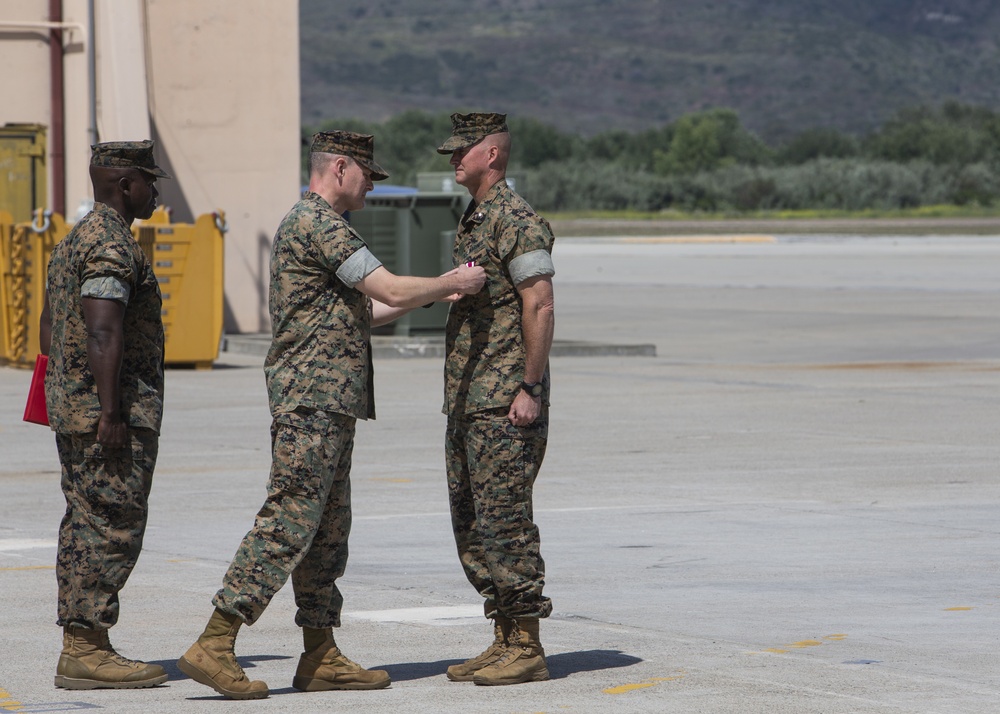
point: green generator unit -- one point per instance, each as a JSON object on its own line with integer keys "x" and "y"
{"x": 412, "y": 232}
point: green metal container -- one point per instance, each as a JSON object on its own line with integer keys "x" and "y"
{"x": 412, "y": 232}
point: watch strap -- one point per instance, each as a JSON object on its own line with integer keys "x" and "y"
{"x": 534, "y": 389}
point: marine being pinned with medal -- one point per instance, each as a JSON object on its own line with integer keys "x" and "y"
{"x": 497, "y": 401}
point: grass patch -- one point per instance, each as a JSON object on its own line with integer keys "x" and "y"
{"x": 921, "y": 212}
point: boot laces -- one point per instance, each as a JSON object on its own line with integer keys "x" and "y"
{"x": 123, "y": 660}
{"x": 489, "y": 652}
{"x": 240, "y": 674}
{"x": 338, "y": 658}
{"x": 114, "y": 655}
{"x": 229, "y": 658}
{"x": 510, "y": 653}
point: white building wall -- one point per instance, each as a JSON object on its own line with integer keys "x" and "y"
{"x": 24, "y": 56}
{"x": 122, "y": 97}
{"x": 215, "y": 82}
{"x": 224, "y": 104}
{"x": 77, "y": 114}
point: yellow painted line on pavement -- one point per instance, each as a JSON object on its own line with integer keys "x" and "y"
{"x": 703, "y": 239}
{"x": 803, "y": 644}
{"x": 8, "y": 703}
{"x": 629, "y": 688}
{"x": 651, "y": 682}
{"x": 30, "y": 567}
{"x": 957, "y": 609}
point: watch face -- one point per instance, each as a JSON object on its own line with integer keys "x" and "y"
{"x": 534, "y": 390}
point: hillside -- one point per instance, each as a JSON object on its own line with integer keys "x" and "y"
{"x": 594, "y": 65}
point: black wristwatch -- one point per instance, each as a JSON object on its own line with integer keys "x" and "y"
{"x": 534, "y": 390}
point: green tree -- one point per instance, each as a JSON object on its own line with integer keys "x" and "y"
{"x": 608, "y": 145}
{"x": 951, "y": 134}
{"x": 817, "y": 144}
{"x": 534, "y": 143}
{"x": 709, "y": 140}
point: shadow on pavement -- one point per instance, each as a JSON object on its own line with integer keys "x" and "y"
{"x": 567, "y": 663}
{"x": 560, "y": 665}
{"x": 246, "y": 662}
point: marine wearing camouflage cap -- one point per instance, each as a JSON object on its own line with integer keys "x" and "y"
{"x": 467, "y": 129}
{"x": 103, "y": 326}
{"x": 127, "y": 155}
{"x": 360, "y": 147}
{"x": 497, "y": 402}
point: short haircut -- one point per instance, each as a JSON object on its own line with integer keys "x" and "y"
{"x": 319, "y": 161}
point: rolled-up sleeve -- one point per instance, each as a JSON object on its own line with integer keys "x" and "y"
{"x": 356, "y": 268}
{"x": 531, "y": 265}
{"x": 106, "y": 288}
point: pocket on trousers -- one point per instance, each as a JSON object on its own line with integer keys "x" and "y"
{"x": 92, "y": 451}
{"x": 509, "y": 467}
{"x": 297, "y": 460}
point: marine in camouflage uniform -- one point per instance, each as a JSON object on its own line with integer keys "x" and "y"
{"x": 493, "y": 454}
{"x": 107, "y": 456}
{"x": 319, "y": 381}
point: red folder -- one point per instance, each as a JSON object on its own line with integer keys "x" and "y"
{"x": 34, "y": 410}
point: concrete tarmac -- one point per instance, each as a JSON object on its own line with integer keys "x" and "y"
{"x": 794, "y": 506}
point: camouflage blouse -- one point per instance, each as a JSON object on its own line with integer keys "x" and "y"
{"x": 100, "y": 258}
{"x": 320, "y": 355}
{"x": 484, "y": 364}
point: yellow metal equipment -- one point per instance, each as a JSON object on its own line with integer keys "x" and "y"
{"x": 23, "y": 180}
{"x": 24, "y": 259}
{"x": 187, "y": 260}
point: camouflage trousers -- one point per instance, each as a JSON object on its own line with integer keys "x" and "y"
{"x": 303, "y": 526}
{"x": 107, "y": 492}
{"x": 492, "y": 466}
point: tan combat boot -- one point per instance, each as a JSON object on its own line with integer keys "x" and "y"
{"x": 212, "y": 661}
{"x": 463, "y": 672}
{"x": 323, "y": 666}
{"x": 88, "y": 661}
{"x": 523, "y": 661}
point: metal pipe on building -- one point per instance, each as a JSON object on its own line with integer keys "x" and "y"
{"x": 92, "y": 71}
{"x": 17, "y": 25}
{"x": 58, "y": 139}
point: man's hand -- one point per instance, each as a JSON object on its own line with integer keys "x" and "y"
{"x": 525, "y": 409}
{"x": 470, "y": 278}
{"x": 112, "y": 432}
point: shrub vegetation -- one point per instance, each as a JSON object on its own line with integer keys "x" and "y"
{"x": 707, "y": 161}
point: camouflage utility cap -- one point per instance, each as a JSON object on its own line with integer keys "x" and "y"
{"x": 467, "y": 129}
{"x": 127, "y": 155}
{"x": 360, "y": 147}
